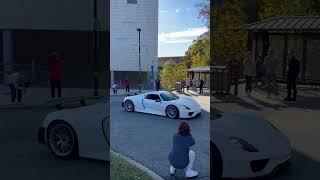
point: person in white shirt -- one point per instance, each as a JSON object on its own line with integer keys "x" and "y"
{"x": 14, "y": 81}
{"x": 114, "y": 88}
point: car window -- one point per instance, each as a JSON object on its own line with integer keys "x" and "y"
{"x": 152, "y": 97}
{"x": 166, "y": 96}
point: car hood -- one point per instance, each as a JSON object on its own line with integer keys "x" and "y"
{"x": 251, "y": 128}
{"x": 188, "y": 102}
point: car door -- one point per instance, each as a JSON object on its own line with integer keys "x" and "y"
{"x": 152, "y": 103}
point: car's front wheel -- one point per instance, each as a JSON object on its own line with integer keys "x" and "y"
{"x": 215, "y": 162}
{"x": 172, "y": 112}
{"x": 129, "y": 106}
{"x": 62, "y": 140}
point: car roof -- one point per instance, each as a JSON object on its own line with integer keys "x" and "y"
{"x": 156, "y": 92}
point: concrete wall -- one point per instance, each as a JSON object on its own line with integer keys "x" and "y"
{"x": 125, "y": 19}
{"x": 52, "y": 14}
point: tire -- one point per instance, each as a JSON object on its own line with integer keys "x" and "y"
{"x": 129, "y": 106}
{"x": 215, "y": 162}
{"x": 172, "y": 112}
{"x": 62, "y": 140}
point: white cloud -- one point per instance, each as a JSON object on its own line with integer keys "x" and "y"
{"x": 163, "y": 11}
{"x": 178, "y": 10}
{"x": 184, "y": 36}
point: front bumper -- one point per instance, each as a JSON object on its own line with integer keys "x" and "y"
{"x": 190, "y": 113}
{"x": 246, "y": 170}
{"x": 41, "y": 135}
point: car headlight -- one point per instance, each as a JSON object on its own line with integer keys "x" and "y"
{"x": 186, "y": 107}
{"x": 243, "y": 144}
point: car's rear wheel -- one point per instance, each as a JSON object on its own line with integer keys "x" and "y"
{"x": 62, "y": 140}
{"x": 129, "y": 106}
{"x": 215, "y": 162}
{"x": 172, "y": 112}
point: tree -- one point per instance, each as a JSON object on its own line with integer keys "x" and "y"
{"x": 204, "y": 11}
{"x": 172, "y": 73}
{"x": 198, "y": 54}
{"x": 223, "y": 36}
{"x": 273, "y": 8}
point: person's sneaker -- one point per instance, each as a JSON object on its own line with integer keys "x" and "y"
{"x": 191, "y": 174}
{"x": 172, "y": 170}
{"x": 292, "y": 99}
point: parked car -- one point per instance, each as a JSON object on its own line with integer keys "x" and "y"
{"x": 162, "y": 103}
{"x": 78, "y": 132}
{"x": 246, "y": 146}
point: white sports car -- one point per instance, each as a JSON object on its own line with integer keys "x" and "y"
{"x": 246, "y": 146}
{"x": 83, "y": 132}
{"x": 162, "y": 103}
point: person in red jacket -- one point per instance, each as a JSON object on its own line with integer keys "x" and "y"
{"x": 127, "y": 85}
{"x": 54, "y": 69}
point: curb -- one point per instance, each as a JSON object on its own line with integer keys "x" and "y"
{"x": 8, "y": 107}
{"x": 152, "y": 174}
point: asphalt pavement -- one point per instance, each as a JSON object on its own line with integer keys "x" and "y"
{"x": 23, "y": 158}
{"x": 147, "y": 138}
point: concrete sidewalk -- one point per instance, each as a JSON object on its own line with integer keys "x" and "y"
{"x": 122, "y": 92}
{"x": 38, "y": 96}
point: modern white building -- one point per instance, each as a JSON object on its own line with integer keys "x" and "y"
{"x": 126, "y": 16}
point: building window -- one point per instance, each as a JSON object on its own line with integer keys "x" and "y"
{"x": 132, "y": 1}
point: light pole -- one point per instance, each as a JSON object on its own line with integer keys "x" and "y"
{"x": 95, "y": 49}
{"x": 139, "y": 31}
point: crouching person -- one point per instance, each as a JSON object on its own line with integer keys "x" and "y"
{"x": 181, "y": 157}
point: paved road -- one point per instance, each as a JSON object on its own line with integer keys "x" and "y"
{"x": 23, "y": 158}
{"x": 299, "y": 121}
{"x": 148, "y": 138}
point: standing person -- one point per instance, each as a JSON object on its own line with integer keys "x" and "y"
{"x": 181, "y": 157}
{"x": 114, "y": 88}
{"x": 15, "y": 84}
{"x": 293, "y": 70}
{"x": 183, "y": 85}
{"x": 191, "y": 84}
{"x": 157, "y": 84}
{"x": 270, "y": 65}
{"x": 233, "y": 69}
{"x": 55, "y": 64}
{"x": 249, "y": 72}
{"x": 201, "y": 86}
{"x": 260, "y": 73}
{"x": 127, "y": 85}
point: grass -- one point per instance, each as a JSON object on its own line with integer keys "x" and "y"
{"x": 122, "y": 170}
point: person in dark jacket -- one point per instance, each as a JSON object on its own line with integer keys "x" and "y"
{"x": 181, "y": 157}
{"x": 293, "y": 70}
{"x": 157, "y": 84}
{"x": 55, "y": 64}
{"x": 234, "y": 70}
{"x": 201, "y": 86}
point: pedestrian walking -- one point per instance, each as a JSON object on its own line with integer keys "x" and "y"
{"x": 233, "y": 75}
{"x": 270, "y": 65}
{"x": 55, "y": 64}
{"x": 127, "y": 85}
{"x": 249, "y": 72}
{"x": 293, "y": 70}
{"x": 181, "y": 156}
{"x": 157, "y": 84}
{"x": 201, "y": 86}
{"x": 191, "y": 84}
{"x": 183, "y": 85}
{"x": 15, "y": 83}
{"x": 114, "y": 88}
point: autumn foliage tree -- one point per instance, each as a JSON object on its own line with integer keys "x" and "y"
{"x": 172, "y": 73}
{"x": 224, "y": 38}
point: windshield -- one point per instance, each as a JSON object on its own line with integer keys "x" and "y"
{"x": 166, "y": 96}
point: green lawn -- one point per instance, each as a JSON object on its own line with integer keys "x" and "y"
{"x": 122, "y": 170}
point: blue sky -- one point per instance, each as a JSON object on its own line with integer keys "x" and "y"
{"x": 178, "y": 26}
